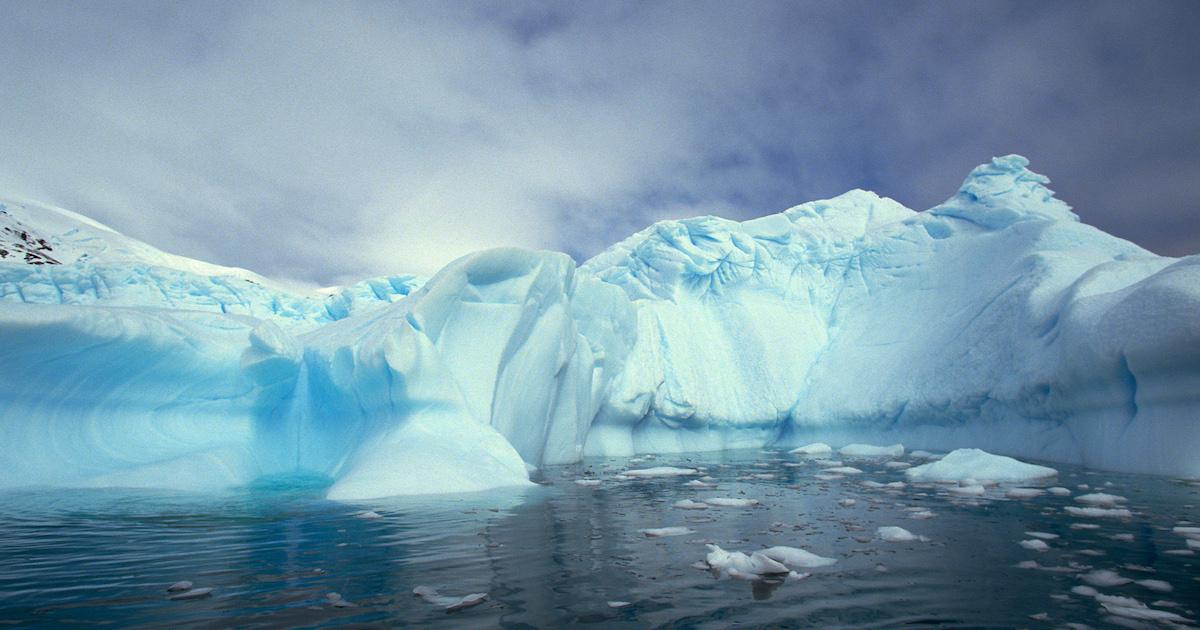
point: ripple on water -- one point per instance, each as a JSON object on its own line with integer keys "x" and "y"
{"x": 565, "y": 553}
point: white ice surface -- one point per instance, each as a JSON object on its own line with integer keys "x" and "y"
{"x": 996, "y": 319}
{"x": 972, "y": 463}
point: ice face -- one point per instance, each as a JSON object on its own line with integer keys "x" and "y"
{"x": 996, "y": 319}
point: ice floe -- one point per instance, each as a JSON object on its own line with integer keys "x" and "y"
{"x": 816, "y": 448}
{"x": 1096, "y": 512}
{"x": 451, "y": 604}
{"x": 660, "y": 471}
{"x": 662, "y": 532}
{"x": 893, "y": 533}
{"x": 735, "y": 563}
{"x": 972, "y": 463}
{"x": 195, "y": 593}
{"x": 843, "y": 470}
{"x": 1100, "y": 499}
{"x": 795, "y": 558}
{"x": 1104, "y": 577}
{"x": 1035, "y": 544}
{"x": 730, "y": 502}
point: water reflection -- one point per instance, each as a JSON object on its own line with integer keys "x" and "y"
{"x": 555, "y": 554}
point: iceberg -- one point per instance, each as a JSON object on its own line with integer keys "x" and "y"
{"x": 996, "y": 319}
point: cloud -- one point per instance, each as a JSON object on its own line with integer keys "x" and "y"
{"x": 323, "y": 142}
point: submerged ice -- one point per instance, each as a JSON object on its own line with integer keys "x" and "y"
{"x": 996, "y": 319}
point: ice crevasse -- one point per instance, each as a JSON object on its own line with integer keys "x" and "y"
{"x": 996, "y": 320}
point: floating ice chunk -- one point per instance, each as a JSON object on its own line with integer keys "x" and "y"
{"x": 337, "y": 601}
{"x": 195, "y": 593}
{"x": 181, "y": 585}
{"x": 972, "y": 463}
{"x": 825, "y": 477}
{"x": 847, "y": 502}
{"x": 1086, "y": 591}
{"x": 617, "y": 604}
{"x": 827, "y": 462}
{"x": 1084, "y": 526}
{"x": 1100, "y": 499}
{"x": 924, "y": 455}
{"x": 1156, "y": 585}
{"x": 1042, "y": 535}
{"x": 1034, "y": 544}
{"x": 1024, "y": 493}
{"x": 1104, "y": 577}
{"x": 921, "y": 515}
{"x": 730, "y": 502}
{"x": 1095, "y": 512}
{"x": 1187, "y": 532}
{"x": 368, "y": 514}
{"x": 588, "y": 482}
{"x": 663, "y": 532}
{"x": 898, "y": 465}
{"x": 660, "y": 471}
{"x": 869, "y": 450}
{"x": 1040, "y": 616}
{"x": 795, "y": 558}
{"x": 451, "y": 604}
{"x": 843, "y": 470}
{"x": 738, "y": 564}
{"x": 897, "y": 534}
{"x": 688, "y": 504}
{"x": 1122, "y": 537}
{"x": 816, "y": 448}
{"x": 1059, "y": 491}
{"x": 1131, "y": 608}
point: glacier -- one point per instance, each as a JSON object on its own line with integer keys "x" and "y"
{"x": 996, "y": 319}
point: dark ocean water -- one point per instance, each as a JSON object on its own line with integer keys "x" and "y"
{"x": 556, "y": 554}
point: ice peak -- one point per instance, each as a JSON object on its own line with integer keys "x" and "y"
{"x": 1002, "y": 192}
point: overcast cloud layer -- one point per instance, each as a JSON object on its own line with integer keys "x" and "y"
{"x": 330, "y": 141}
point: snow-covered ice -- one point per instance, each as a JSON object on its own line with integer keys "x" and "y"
{"x": 1095, "y": 512}
{"x": 663, "y": 532}
{"x": 795, "y": 558}
{"x": 660, "y": 471}
{"x": 1100, "y": 499}
{"x": 1035, "y": 544}
{"x": 694, "y": 334}
{"x": 892, "y": 533}
{"x": 451, "y": 604}
{"x": 971, "y": 463}
{"x": 1104, "y": 577}
{"x": 815, "y": 449}
{"x": 731, "y": 502}
{"x": 736, "y": 562}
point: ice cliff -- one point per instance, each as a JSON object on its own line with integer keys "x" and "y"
{"x": 995, "y": 320}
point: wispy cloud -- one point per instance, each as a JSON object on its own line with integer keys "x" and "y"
{"x": 326, "y": 141}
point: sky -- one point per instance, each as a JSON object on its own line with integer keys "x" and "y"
{"x": 329, "y": 141}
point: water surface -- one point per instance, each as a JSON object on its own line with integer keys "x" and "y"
{"x": 556, "y": 554}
